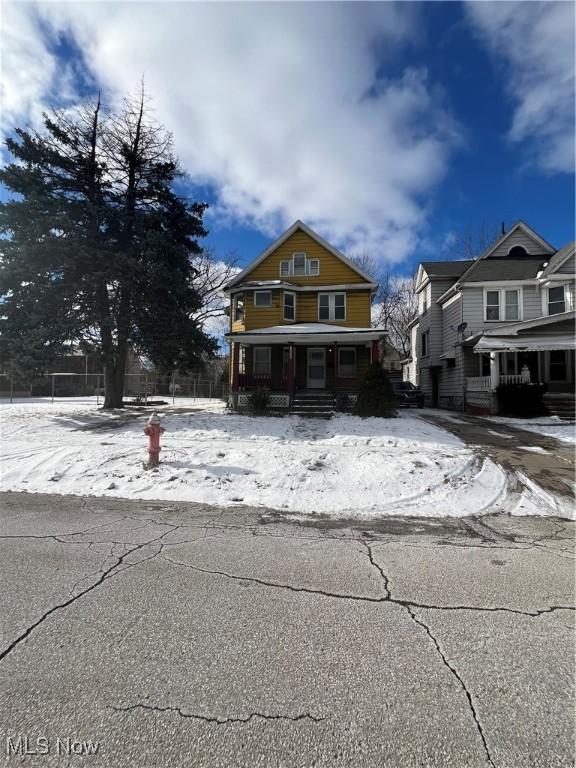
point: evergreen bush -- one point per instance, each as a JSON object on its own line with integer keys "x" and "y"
{"x": 259, "y": 401}
{"x": 521, "y": 399}
{"x": 376, "y": 396}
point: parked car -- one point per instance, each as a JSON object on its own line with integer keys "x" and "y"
{"x": 407, "y": 394}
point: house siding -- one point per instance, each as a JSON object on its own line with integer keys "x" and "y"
{"x": 518, "y": 238}
{"x": 332, "y": 269}
{"x": 568, "y": 268}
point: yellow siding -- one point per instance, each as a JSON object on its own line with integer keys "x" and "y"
{"x": 332, "y": 270}
{"x": 357, "y": 309}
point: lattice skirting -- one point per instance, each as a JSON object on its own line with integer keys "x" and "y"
{"x": 276, "y": 400}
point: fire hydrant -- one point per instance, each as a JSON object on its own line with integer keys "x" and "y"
{"x": 153, "y": 430}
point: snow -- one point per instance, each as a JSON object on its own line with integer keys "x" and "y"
{"x": 547, "y": 426}
{"x": 345, "y": 466}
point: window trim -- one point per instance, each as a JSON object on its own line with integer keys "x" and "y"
{"x": 289, "y": 319}
{"x": 256, "y": 349}
{"x": 347, "y": 375}
{"x": 332, "y": 306}
{"x": 261, "y": 293}
{"x": 308, "y": 261}
{"x": 502, "y": 290}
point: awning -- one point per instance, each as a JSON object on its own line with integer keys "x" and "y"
{"x": 525, "y": 343}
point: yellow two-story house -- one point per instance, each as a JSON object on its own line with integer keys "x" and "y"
{"x": 300, "y": 324}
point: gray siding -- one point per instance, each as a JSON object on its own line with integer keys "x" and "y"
{"x": 568, "y": 268}
{"x": 532, "y": 302}
{"x": 518, "y": 238}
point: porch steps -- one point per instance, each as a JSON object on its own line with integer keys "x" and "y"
{"x": 317, "y": 405}
{"x": 561, "y": 404}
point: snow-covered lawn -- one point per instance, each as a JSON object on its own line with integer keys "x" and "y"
{"x": 549, "y": 426}
{"x": 345, "y": 465}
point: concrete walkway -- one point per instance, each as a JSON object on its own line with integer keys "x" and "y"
{"x": 210, "y": 637}
{"x": 546, "y": 461}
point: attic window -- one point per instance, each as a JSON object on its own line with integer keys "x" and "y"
{"x": 517, "y": 252}
{"x": 300, "y": 266}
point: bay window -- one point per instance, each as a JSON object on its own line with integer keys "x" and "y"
{"x": 289, "y": 306}
{"x": 239, "y": 307}
{"x": 262, "y": 298}
{"x": 331, "y": 306}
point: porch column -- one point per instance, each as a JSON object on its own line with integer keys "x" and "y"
{"x": 235, "y": 366}
{"x": 494, "y": 370}
{"x": 291, "y": 367}
{"x": 335, "y": 360}
{"x": 375, "y": 351}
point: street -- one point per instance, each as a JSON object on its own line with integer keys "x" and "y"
{"x": 181, "y": 634}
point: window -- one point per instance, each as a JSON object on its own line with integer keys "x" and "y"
{"x": 425, "y": 344}
{"x": 289, "y": 306}
{"x": 262, "y": 298}
{"x": 242, "y": 360}
{"x": 331, "y": 306}
{"x": 346, "y": 362}
{"x": 556, "y": 300}
{"x": 262, "y": 361}
{"x": 451, "y": 362}
{"x": 517, "y": 251}
{"x": 492, "y": 305}
{"x": 502, "y": 304}
{"x": 558, "y": 368}
{"x": 239, "y": 308}
{"x": 299, "y": 263}
{"x": 300, "y": 266}
{"x": 511, "y": 308}
{"x": 485, "y": 364}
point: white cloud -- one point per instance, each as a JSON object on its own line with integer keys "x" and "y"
{"x": 278, "y": 106}
{"x": 535, "y": 41}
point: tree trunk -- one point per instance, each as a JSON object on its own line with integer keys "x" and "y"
{"x": 114, "y": 377}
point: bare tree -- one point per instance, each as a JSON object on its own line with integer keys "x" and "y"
{"x": 211, "y": 275}
{"x": 395, "y": 307}
{"x": 471, "y": 243}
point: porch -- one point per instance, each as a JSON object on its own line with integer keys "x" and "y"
{"x": 292, "y": 361}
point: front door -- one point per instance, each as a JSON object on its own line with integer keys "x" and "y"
{"x": 316, "y": 368}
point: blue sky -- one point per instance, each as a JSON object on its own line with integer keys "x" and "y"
{"x": 389, "y": 128}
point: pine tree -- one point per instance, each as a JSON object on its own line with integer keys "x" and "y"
{"x": 98, "y": 246}
{"x": 376, "y": 395}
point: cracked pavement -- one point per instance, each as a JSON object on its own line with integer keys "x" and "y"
{"x": 189, "y": 635}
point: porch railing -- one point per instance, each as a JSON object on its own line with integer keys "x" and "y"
{"x": 484, "y": 383}
{"x": 478, "y": 384}
{"x": 255, "y": 380}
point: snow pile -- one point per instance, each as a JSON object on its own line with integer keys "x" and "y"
{"x": 547, "y": 426}
{"x": 346, "y": 466}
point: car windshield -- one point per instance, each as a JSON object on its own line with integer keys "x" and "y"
{"x": 403, "y": 386}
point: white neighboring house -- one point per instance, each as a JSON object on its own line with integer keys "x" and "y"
{"x": 505, "y": 317}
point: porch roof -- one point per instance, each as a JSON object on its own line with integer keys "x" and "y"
{"x": 308, "y": 333}
{"x": 527, "y": 343}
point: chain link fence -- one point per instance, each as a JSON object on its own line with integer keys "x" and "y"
{"x": 139, "y": 388}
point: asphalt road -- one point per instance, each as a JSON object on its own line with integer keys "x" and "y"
{"x": 186, "y": 635}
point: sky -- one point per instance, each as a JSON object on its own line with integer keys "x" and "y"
{"x": 389, "y": 128}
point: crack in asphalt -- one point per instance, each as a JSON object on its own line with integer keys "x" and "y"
{"x": 220, "y": 720}
{"x": 110, "y": 572}
{"x": 455, "y": 674}
{"x": 365, "y": 598}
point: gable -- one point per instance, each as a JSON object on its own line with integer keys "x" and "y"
{"x": 334, "y": 267}
{"x": 520, "y": 235}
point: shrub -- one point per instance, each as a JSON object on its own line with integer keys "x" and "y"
{"x": 521, "y": 399}
{"x": 259, "y": 401}
{"x": 343, "y": 402}
{"x": 376, "y": 396}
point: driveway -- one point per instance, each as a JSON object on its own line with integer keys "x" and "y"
{"x": 187, "y": 635}
{"x": 544, "y": 460}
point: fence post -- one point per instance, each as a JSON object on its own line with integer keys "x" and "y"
{"x": 210, "y": 390}
{"x": 195, "y": 389}
{"x": 52, "y": 389}
{"x": 173, "y": 387}
{"x": 11, "y": 388}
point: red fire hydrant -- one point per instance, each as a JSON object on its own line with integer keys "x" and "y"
{"x": 153, "y": 430}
